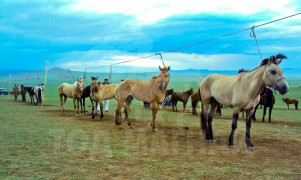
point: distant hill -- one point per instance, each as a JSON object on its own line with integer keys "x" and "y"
{"x": 56, "y": 72}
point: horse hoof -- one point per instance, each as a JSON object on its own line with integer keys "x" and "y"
{"x": 155, "y": 130}
{"x": 231, "y": 145}
{"x": 121, "y": 128}
{"x": 251, "y": 148}
{"x": 208, "y": 141}
{"x": 76, "y": 115}
{"x": 131, "y": 127}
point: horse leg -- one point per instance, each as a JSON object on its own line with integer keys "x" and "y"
{"x": 248, "y": 130}
{"x": 264, "y": 112}
{"x": 81, "y": 105}
{"x": 154, "y": 113}
{"x": 101, "y": 109}
{"x": 176, "y": 102}
{"x": 173, "y": 105}
{"x": 74, "y": 105}
{"x": 204, "y": 121}
{"x": 62, "y": 103}
{"x": 78, "y": 100}
{"x": 288, "y": 106}
{"x": 219, "y": 110}
{"x": 118, "y": 113}
{"x": 93, "y": 109}
{"x": 253, "y": 115}
{"x": 184, "y": 106}
{"x": 210, "y": 118}
{"x": 270, "y": 113}
{"x": 127, "y": 113}
{"x": 234, "y": 125}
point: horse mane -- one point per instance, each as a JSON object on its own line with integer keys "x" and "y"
{"x": 242, "y": 70}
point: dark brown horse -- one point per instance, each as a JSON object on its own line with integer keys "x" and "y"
{"x": 183, "y": 97}
{"x": 86, "y": 93}
{"x": 31, "y": 93}
{"x": 267, "y": 99}
{"x": 290, "y": 101}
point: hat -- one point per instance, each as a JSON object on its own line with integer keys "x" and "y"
{"x": 106, "y": 79}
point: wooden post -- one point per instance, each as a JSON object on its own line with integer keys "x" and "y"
{"x": 45, "y": 81}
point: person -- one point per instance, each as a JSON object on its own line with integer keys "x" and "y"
{"x": 107, "y": 102}
{"x": 23, "y": 93}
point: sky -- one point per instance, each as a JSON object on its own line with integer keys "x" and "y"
{"x": 91, "y": 34}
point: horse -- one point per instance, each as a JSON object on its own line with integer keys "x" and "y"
{"x": 152, "y": 91}
{"x": 183, "y": 97}
{"x": 31, "y": 93}
{"x": 290, "y": 101}
{"x": 16, "y": 92}
{"x": 23, "y": 93}
{"x": 267, "y": 99}
{"x": 73, "y": 91}
{"x": 167, "y": 93}
{"x": 99, "y": 93}
{"x": 240, "y": 91}
{"x": 86, "y": 93}
{"x": 38, "y": 92}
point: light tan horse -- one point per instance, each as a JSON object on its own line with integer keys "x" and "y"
{"x": 73, "y": 91}
{"x": 99, "y": 93}
{"x": 152, "y": 91}
{"x": 240, "y": 92}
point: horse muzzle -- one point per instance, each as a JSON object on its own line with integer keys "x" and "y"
{"x": 281, "y": 86}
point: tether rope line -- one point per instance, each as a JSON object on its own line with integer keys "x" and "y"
{"x": 199, "y": 42}
{"x": 252, "y": 34}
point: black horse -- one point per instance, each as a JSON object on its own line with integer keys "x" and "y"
{"x": 167, "y": 93}
{"x": 31, "y": 93}
{"x": 267, "y": 99}
{"x": 85, "y": 94}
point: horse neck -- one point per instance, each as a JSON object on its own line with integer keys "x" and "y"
{"x": 255, "y": 80}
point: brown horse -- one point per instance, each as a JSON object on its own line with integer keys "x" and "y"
{"x": 99, "y": 93}
{"x": 183, "y": 97}
{"x": 152, "y": 91}
{"x": 16, "y": 92}
{"x": 240, "y": 92}
{"x": 290, "y": 101}
{"x": 73, "y": 91}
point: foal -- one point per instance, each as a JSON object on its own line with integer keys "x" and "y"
{"x": 183, "y": 97}
{"x": 290, "y": 101}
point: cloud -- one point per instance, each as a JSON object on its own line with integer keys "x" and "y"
{"x": 155, "y": 10}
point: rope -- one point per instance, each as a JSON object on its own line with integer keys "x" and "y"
{"x": 71, "y": 74}
{"x": 252, "y": 34}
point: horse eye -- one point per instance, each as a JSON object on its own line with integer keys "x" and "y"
{"x": 273, "y": 72}
{"x": 166, "y": 76}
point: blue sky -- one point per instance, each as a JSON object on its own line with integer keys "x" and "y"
{"x": 87, "y": 34}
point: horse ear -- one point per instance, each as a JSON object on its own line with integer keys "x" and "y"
{"x": 168, "y": 68}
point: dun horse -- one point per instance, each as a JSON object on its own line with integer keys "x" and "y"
{"x": 290, "y": 101}
{"x": 183, "y": 97}
{"x": 73, "y": 91}
{"x": 167, "y": 93}
{"x": 267, "y": 99}
{"x": 239, "y": 92}
{"x": 152, "y": 91}
{"x": 99, "y": 93}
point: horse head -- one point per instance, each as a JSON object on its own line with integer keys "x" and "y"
{"x": 80, "y": 85}
{"x": 190, "y": 91}
{"x": 163, "y": 77}
{"x": 273, "y": 74}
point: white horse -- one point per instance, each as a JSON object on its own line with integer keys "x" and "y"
{"x": 240, "y": 92}
{"x": 38, "y": 92}
{"x": 73, "y": 91}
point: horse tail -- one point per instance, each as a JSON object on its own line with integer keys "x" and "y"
{"x": 199, "y": 95}
{"x": 296, "y": 105}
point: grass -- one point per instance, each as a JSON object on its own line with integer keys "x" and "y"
{"x": 42, "y": 143}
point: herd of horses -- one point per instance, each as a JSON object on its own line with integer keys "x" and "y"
{"x": 242, "y": 92}
{"x": 33, "y": 92}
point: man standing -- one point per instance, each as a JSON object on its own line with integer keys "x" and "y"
{"x": 16, "y": 92}
{"x": 107, "y": 102}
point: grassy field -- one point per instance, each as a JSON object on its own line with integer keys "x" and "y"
{"x": 41, "y": 142}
